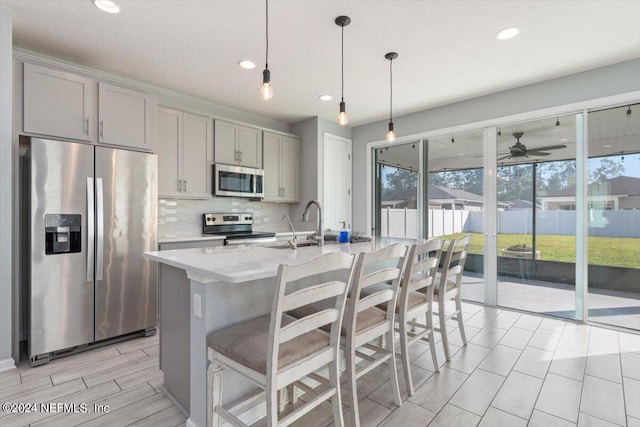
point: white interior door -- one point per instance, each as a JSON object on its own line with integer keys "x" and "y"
{"x": 336, "y": 181}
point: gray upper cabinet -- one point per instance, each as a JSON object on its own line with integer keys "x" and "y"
{"x": 57, "y": 103}
{"x": 125, "y": 117}
{"x": 237, "y": 145}
{"x": 67, "y": 105}
{"x": 185, "y": 154}
{"x": 281, "y": 160}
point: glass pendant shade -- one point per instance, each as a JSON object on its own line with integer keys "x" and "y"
{"x": 343, "y": 118}
{"x": 391, "y": 135}
{"x": 266, "y": 91}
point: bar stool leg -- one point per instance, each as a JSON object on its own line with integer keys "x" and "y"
{"x": 352, "y": 388}
{"x": 443, "y": 330}
{"x": 404, "y": 349}
{"x": 432, "y": 340}
{"x": 393, "y": 369}
{"x": 459, "y": 316}
{"x": 214, "y": 393}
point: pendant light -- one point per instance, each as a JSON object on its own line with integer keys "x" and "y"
{"x": 343, "y": 119}
{"x": 266, "y": 91}
{"x": 391, "y": 135}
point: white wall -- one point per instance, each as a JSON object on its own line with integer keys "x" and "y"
{"x": 6, "y": 190}
{"x": 311, "y": 151}
{"x": 600, "y": 82}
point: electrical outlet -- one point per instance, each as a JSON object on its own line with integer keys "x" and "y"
{"x": 265, "y": 219}
{"x": 197, "y": 305}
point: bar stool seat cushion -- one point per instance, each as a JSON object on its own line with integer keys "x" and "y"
{"x": 366, "y": 318}
{"x": 247, "y": 343}
{"x": 415, "y": 297}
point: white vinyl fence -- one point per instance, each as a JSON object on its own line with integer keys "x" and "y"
{"x": 404, "y": 222}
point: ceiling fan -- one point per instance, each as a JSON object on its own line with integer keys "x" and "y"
{"x": 521, "y": 150}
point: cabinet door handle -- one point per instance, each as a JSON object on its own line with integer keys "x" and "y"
{"x": 179, "y": 185}
{"x": 240, "y": 155}
{"x": 102, "y": 128}
{"x": 87, "y": 123}
{"x": 185, "y": 185}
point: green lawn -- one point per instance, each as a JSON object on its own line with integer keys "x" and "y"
{"x": 614, "y": 251}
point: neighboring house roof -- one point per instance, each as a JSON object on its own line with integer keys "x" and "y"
{"x": 439, "y": 192}
{"x": 521, "y": 204}
{"x": 620, "y": 185}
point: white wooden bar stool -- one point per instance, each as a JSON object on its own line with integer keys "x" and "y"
{"x": 416, "y": 302}
{"x": 364, "y": 323}
{"x": 276, "y": 350}
{"x": 448, "y": 287}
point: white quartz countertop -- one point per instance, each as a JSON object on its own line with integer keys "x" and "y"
{"x": 241, "y": 263}
{"x": 202, "y": 238}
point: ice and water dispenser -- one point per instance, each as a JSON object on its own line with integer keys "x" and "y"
{"x": 62, "y": 234}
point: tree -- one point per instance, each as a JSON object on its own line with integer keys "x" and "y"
{"x": 401, "y": 184}
{"x": 607, "y": 169}
{"x": 515, "y": 182}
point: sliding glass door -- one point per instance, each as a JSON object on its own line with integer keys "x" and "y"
{"x": 536, "y": 216}
{"x": 613, "y": 202}
{"x": 398, "y": 172}
{"x": 455, "y": 200}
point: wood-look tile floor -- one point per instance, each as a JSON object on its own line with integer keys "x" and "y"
{"x": 517, "y": 370}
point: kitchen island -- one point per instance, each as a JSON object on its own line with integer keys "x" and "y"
{"x": 203, "y": 290}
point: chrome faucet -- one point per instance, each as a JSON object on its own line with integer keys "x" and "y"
{"x": 292, "y": 243}
{"x": 319, "y": 234}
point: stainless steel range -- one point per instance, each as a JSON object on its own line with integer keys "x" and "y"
{"x": 237, "y": 227}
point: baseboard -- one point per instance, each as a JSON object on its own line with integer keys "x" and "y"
{"x": 7, "y": 364}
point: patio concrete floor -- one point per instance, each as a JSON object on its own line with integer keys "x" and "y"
{"x": 606, "y": 307}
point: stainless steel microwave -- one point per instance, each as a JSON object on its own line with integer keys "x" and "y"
{"x": 237, "y": 181}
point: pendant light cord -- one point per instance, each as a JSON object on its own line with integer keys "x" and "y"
{"x": 391, "y": 91}
{"x": 342, "y": 70}
{"x": 266, "y": 58}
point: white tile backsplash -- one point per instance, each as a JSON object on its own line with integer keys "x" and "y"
{"x": 183, "y": 218}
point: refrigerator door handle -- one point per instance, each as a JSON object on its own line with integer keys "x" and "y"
{"x": 90, "y": 230}
{"x": 99, "y": 229}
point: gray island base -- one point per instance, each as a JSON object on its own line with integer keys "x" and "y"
{"x": 203, "y": 290}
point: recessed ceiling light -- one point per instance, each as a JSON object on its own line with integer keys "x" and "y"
{"x": 607, "y": 146}
{"x": 460, "y": 154}
{"x": 246, "y": 64}
{"x": 326, "y": 97}
{"x": 508, "y": 33}
{"x": 108, "y": 6}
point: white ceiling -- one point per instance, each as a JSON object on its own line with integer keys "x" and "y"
{"x": 447, "y": 49}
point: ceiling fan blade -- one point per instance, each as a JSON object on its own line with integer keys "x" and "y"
{"x": 548, "y": 147}
{"x": 537, "y": 153}
{"x": 505, "y": 157}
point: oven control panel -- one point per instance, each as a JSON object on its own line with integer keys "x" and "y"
{"x": 213, "y": 219}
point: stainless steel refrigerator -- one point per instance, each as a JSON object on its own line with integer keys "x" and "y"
{"x": 93, "y": 213}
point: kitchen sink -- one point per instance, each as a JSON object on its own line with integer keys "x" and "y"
{"x": 285, "y": 245}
